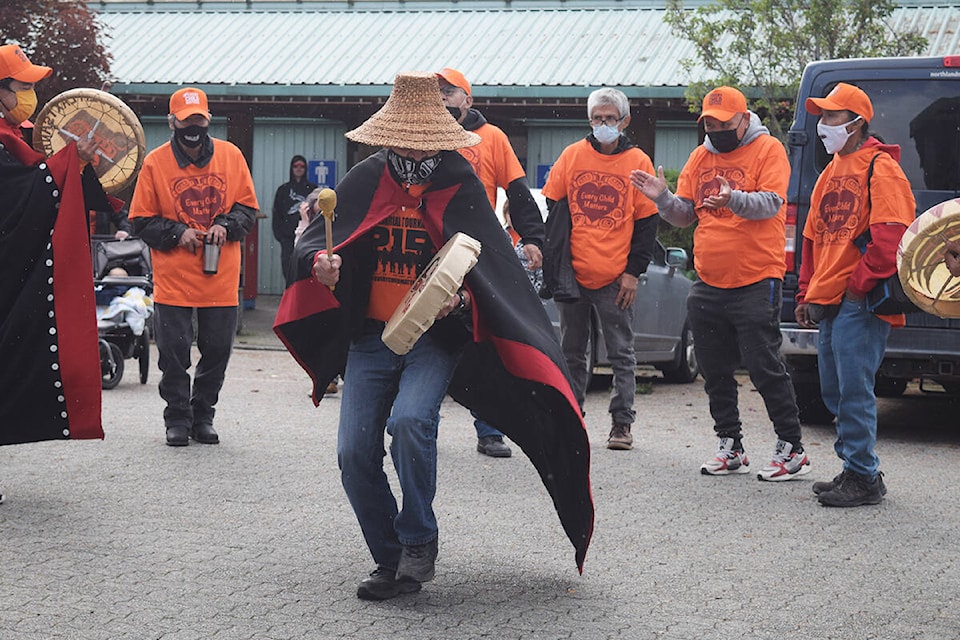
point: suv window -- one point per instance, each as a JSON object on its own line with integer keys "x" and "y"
{"x": 926, "y": 126}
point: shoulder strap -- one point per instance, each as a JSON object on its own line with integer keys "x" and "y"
{"x": 862, "y": 240}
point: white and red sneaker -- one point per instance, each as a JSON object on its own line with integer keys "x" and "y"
{"x": 728, "y": 460}
{"x": 786, "y": 464}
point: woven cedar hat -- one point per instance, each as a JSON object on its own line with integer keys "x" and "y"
{"x": 414, "y": 118}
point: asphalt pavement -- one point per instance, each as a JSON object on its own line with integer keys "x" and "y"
{"x": 253, "y": 538}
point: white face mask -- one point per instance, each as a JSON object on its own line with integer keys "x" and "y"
{"x": 834, "y": 136}
{"x": 605, "y": 133}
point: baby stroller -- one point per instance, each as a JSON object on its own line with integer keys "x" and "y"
{"x": 123, "y": 284}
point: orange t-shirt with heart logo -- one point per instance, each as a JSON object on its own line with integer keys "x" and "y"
{"x": 603, "y": 206}
{"x": 194, "y": 196}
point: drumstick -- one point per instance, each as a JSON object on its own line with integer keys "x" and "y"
{"x": 76, "y": 138}
{"x": 327, "y": 202}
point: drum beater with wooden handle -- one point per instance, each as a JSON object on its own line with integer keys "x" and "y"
{"x": 326, "y": 203}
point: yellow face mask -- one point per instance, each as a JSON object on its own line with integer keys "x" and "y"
{"x": 26, "y": 105}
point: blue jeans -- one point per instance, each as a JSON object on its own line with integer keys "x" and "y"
{"x": 484, "y": 429}
{"x": 402, "y": 395}
{"x": 617, "y": 327}
{"x": 850, "y": 349}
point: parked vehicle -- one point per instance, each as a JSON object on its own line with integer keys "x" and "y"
{"x": 661, "y": 333}
{"x": 916, "y": 104}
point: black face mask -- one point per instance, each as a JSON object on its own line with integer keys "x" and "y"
{"x": 455, "y": 112}
{"x": 191, "y": 136}
{"x": 410, "y": 171}
{"x": 724, "y": 141}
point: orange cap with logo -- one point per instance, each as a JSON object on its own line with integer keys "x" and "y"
{"x": 723, "y": 103}
{"x": 454, "y": 77}
{"x": 187, "y": 102}
{"x": 15, "y": 64}
{"x": 843, "y": 97}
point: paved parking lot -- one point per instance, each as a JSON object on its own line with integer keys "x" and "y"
{"x": 253, "y": 538}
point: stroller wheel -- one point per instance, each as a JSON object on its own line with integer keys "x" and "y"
{"x": 143, "y": 354}
{"x": 111, "y": 364}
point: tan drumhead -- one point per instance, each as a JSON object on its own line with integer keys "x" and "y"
{"x": 438, "y": 282}
{"x": 923, "y": 273}
{"x": 113, "y": 124}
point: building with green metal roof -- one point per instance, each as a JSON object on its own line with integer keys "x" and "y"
{"x": 287, "y": 77}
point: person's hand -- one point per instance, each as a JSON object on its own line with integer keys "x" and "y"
{"x": 802, "y": 314}
{"x": 534, "y": 256}
{"x": 649, "y": 185}
{"x": 628, "y": 290}
{"x": 454, "y": 303}
{"x": 326, "y": 269}
{"x": 720, "y": 200}
{"x": 217, "y": 234}
{"x": 952, "y": 257}
{"x": 191, "y": 239}
{"x": 87, "y": 149}
{"x": 120, "y": 235}
{"x": 305, "y": 212}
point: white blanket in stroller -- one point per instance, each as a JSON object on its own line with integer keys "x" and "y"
{"x": 133, "y": 307}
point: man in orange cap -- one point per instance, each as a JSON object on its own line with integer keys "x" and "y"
{"x": 194, "y": 192}
{"x": 48, "y": 333}
{"x": 735, "y": 185}
{"x": 496, "y": 164}
{"x": 848, "y": 247}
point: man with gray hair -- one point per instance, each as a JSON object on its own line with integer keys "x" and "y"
{"x": 604, "y": 231}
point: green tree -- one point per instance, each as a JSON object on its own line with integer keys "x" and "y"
{"x": 63, "y": 34}
{"x": 762, "y": 46}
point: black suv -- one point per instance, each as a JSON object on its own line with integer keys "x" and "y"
{"x": 916, "y": 104}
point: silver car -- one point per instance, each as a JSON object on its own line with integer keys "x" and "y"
{"x": 661, "y": 333}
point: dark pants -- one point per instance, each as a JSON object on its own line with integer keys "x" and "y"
{"x": 173, "y": 330}
{"x": 734, "y": 327}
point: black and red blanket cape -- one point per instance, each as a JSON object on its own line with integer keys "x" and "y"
{"x": 50, "y": 371}
{"x": 512, "y": 373}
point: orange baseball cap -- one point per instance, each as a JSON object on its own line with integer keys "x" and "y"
{"x": 187, "y": 102}
{"x": 454, "y": 77}
{"x": 15, "y": 64}
{"x": 723, "y": 103}
{"x": 843, "y": 97}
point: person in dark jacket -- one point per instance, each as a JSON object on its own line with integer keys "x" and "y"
{"x": 286, "y": 209}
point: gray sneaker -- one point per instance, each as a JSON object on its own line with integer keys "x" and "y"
{"x": 417, "y": 562}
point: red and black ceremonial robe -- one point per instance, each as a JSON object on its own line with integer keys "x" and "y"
{"x": 512, "y": 373}
{"x": 50, "y": 374}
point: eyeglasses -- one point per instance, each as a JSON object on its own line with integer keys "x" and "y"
{"x": 299, "y": 165}
{"x": 450, "y": 91}
{"x": 610, "y": 121}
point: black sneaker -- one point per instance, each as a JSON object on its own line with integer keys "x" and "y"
{"x": 494, "y": 447}
{"x": 383, "y": 585}
{"x": 823, "y": 487}
{"x": 854, "y": 490}
{"x": 417, "y": 562}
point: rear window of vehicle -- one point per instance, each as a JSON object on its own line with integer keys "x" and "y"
{"x": 923, "y": 117}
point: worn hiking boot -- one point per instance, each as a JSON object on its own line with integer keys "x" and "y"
{"x": 417, "y": 562}
{"x": 383, "y": 584}
{"x": 493, "y": 446}
{"x": 786, "y": 463}
{"x": 854, "y": 490}
{"x": 830, "y": 485}
{"x": 726, "y": 461}
{"x": 620, "y": 438}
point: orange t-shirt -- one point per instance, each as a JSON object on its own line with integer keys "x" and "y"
{"x": 493, "y": 160}
{"x": 603, "y": 207}
{"x": 840, "y": 211}
{"x": 403, "y": 245}
{"x": 730, "y": 251}
{"x": 194, "y": 196}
